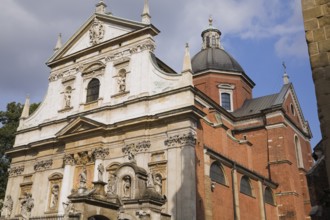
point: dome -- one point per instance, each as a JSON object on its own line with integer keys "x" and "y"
{"x": 213, "y": 56}
{"x": 216, "y": 59}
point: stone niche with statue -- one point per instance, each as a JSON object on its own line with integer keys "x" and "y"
{"x": 128, "y": 189}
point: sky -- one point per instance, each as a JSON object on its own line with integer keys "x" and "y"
{"x": 259, "y": 34}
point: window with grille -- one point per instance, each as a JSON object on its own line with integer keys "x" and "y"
{"x": 93, "y": 90}
{"x": 217, "y": 174}
{"x": 225, "y": 101}
{"x": 245, "y": 186}
{"x": 269, "y": 196}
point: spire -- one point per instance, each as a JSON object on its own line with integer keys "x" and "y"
{"x": 146, "y": 18}
{"x": 210, "y": 21}
{"x": 186, "y": 60}
{"x": 26, "y": 109}
{"x": 285, "y": 75}
{"x": 58, "y": 43}
{"x": 100, "y": 7}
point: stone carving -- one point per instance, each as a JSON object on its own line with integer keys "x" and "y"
{"x": 121, "y": 80}
{"x": 180, "y": 140}
{"x": 15, "y": 171}
{"x": 127, "y": 187}
{"x": 67, "y": 97}
{"x": 150, "y": 180}
{"x": 138, "y": 48}
{"x": 27, "y": 203}
{"x": 82, "y": 158}
{"x": 43, "y": 165}
{"x": 55, "y": 190}
{"x": 142, "y": 146}
{"x": 100, "y": 153}
{"x": 7, "y": 207}
{"x": 158, "y": 183}
{"x": 142, "y": 213}
{"x": 112, "y": 185}
{"x": 100, "y": 171}
{"x": 131, "y": 149}
{"x": 68, "y": 159}
{"x": 69, "y": 209}
{"x": 83, "y": 178}
{"x": 96, "y": 32}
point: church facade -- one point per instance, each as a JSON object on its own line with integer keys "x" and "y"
{"x": 121, "y": 135}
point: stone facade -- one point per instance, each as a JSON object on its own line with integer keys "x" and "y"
{"x": 120, "y": 135}
{"x": 316, "y": 15}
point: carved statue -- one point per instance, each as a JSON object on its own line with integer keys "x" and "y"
{"x": 122, "y": 81}
{"x": 96, "y": 32}
{"x": 131, "y": 157}
{"x": 100, "y": 171}
{"x": 27, "y": 203}
{"x": 150, "y": 180}
{"x": 83, "y": 178}
{"x": 7, "y": 207}
{"x": 127, "y": 187}
{"x": 68, "y": 209}
{"x": 112, "y": 185}
{"x": 67, "y": 98}
{"x": 158, "y": 184}
{"x": 54, "y": 197}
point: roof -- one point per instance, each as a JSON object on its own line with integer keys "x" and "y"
{"x": 216, "y": 59}
{"x": 257, "y": 105}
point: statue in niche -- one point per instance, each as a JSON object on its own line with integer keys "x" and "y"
{"x": 7, "y": 207}
{"x": 158, "y": 183}
{"x": 112, "y": 184}
{"x": 150, "y": 180}
{"x": 83, "y": 178}
{"x": 122, "y": 81}
{"x": 100, "y": 171}
{"x": 27, "y": 203}
{"x": 67, "y": 97}
{"x": 54, "y": 196}
{"x": 127, "y": 187}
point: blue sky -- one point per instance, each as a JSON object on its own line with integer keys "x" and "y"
{"x": 259, "y": 34}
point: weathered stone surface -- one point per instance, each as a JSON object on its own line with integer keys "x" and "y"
{"x": 309, "y": 36}
{"x": 320, "y": 2}
{"x": 307, "y": 4}
{"x": 318, "y": 35}
{"x": 311, "y": 24}
{"x": 324, "y": 46}
{"x": 313, "y": 48}
{"x": 313, "y": 13}
{"x": 319, "y": 60}
{"x": 325, "y": 20}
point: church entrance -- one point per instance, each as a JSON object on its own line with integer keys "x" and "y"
{"x": 98, "y": 217}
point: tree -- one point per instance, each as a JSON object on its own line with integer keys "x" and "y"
{"x": 9, "y": 121}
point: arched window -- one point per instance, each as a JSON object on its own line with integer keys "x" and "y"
{"x": 225, "y": 101}
{"x": 268, "y": 195}
{"x": 245, "y": 186}
{"x": 93, "y": 90}
{"x": 300, "y": 163}
{"x": 216, "y": 173}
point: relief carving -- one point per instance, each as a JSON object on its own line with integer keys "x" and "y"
{"x": 7, "y": 207}
{"x": 15, "y": 171}
{"x": 112, "y": 185}
{"x": 127, "y": 187}
{"x": 43, "y": 165}
{"x": 180, "y": 140}
{"x": 83, "y": 158}
{"x": 100, "y": 153}
{"x": 96, "y": 32}
{"x": 27, "y": 203}
{"x": 68, "y": 159}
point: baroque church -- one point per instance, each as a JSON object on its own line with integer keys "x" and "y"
{"x": 121, "y": 135}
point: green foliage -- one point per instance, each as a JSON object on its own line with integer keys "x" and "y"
{"x": 9, "y": 121}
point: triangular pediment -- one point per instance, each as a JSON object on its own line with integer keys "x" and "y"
{"x": 80, "y": 125}
{"x": 97, "y": 30}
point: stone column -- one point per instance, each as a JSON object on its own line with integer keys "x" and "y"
{"x": 181, "y": 176}
{"x": 67, "y": 181}
{"x": 261, "y": 201}
{"x": 99, "y": 155}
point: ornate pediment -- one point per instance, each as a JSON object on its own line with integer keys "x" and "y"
{"x": 78, "y": 126}
{"x": 97, "y": 30}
